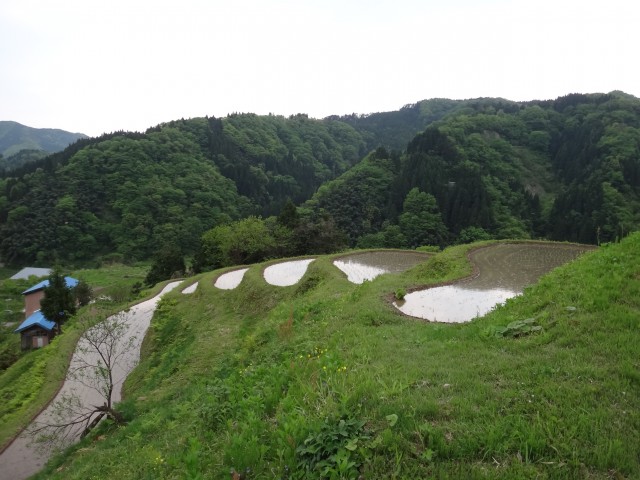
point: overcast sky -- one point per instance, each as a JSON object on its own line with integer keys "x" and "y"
{"x": 94, "y": 67}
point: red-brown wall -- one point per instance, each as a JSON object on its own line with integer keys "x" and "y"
{"x": 32, "y": 302}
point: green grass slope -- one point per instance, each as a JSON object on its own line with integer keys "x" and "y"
{"x": 325, "y": 379}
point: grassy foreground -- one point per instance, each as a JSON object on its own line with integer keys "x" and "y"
{"x": 325, "y": 380}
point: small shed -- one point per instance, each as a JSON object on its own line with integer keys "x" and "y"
{"x": 36, "y": 331}
{"x": 33, "y": 295}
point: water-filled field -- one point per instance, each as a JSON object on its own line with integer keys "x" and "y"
{"x": 504, "y": 270}
{"x": 230, "y": 280}
{"x": 190, "y": 289}
{"x": 368, "y": 265}
{"x": 286, "y": 273}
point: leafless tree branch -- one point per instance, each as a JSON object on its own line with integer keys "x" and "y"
{"x": 104, "y": 347}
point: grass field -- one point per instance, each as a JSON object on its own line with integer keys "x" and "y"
{"x": 325, "y": 379}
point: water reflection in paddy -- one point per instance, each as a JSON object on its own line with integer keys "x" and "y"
{"x": 504, "y": 271}
{"x": 190, "y": 289}
{"x": 286, "y": 273}
{"x": 230, "y": 280}
{"x": 368, "y": 265}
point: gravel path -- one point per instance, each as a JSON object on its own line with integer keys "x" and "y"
{"x": 21, "y": 459}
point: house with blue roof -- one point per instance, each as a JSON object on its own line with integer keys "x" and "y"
{"x": 37, "y": 331}
{"x": 33, "y": 295}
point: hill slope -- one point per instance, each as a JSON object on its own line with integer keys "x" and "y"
{"x": 567, "y": 169}
{"x": 15, "y": 137}
{"x": 131, "y": 193}
{"x": 324, "y": 377}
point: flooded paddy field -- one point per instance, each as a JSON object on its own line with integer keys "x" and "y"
{"x": 190, "y": 289}
{"x": 368, "y": 265}
{"x": 286, "y": 273}
{"x": 230, "y": 280}
{"x": 503, "y": 271}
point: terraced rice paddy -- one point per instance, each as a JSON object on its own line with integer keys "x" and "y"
{"x": 360, "y": 267}
{"x": 190, "y": 289}
{"x": 287, "y": 273}
{"x": 503, "y": 271}
{"x": 230, "y": 280}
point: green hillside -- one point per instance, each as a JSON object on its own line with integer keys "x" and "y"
{"x": 15, "y": 137}
{"x": 564, "y": 169}
{"x": 325, "y": 379}
{"x": 130, "y": 194}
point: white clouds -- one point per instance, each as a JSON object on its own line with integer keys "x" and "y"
{"x": 102, "y": 66}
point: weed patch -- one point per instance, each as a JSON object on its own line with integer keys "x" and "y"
{"x": 518, "y": 328}
{"x": 336, "y": 450}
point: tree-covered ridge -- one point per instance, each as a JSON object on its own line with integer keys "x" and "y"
{"x": 124, "y": 195}
{"x": 276, "y": 158}
{"x": 22, "y": 157}
{"x": 567, "y": 169}
{"x": 15, "y": 137}
{"x": 394, "y": 130}
{"x": 273, "y": 158}
{"x": 597, "y": 155}
{"x": 133, "y": 193}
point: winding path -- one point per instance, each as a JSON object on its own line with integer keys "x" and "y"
{"x": 22, "y": 459}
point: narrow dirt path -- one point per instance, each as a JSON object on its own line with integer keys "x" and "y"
{"x": 22, "y": 459}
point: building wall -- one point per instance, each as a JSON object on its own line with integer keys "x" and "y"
{"x": 32, "y": 302}
{"x": 35, "y": 338}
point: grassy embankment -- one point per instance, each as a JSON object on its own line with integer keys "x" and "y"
{"x": 32, "y": 381}
{"x": 325, "y": 380}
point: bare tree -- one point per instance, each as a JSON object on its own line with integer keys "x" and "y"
{"x": 100, "y": 363}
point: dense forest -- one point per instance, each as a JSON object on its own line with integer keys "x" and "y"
{"x": 433, "y": 173}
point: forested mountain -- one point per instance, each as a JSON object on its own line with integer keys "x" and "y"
{"x": 566, "y": 169}
{"x": 20, "y": 144}
{"x": 20, "y": 158}
{"x": 394, "y": 130}
{"x": 131, "y": 193}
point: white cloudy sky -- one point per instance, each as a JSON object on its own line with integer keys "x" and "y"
{"x": 98, "y": 66}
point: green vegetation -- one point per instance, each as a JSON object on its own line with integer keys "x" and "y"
{"x": 59, "y": 301}
{"x": 28, "y": 380}
{"x": 32, "y": 381}
{"x": 21, "y": 158}
{"x": 15, "y": 137}
{"x": 254, "y": 239}
{"x": 564, "y": 169}
{"x": 325, "y": 379}
{"x": 11, "y": 316}
{"x": 131, "y": 194}
{"x": 168, "y": 263}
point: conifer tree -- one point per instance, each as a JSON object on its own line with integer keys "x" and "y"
{"x": 59, "y": 302}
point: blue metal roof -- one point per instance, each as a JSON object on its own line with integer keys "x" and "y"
{"x": 70, "y": 282}
{"x": 36, "y": 319}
